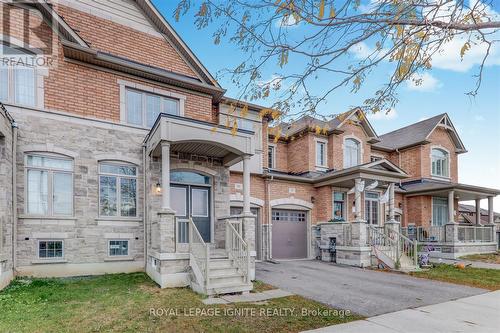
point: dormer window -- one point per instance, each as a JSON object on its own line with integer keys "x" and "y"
{"x": 440, "y": 162}
{"x": 352, "y": 153}
{"x": 321, "y": 154}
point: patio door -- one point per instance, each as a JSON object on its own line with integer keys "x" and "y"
{"x": 371, "y": 208}
{"x": 190, "y": 195}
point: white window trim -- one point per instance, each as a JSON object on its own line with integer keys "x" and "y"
{"x": 275, "y": 147}
{"x": 118, "y": 216}
{"x": 432, "y": 212}
{"x": 379, "y": 209}
{"x": 316, "y": 142}
{"x": 346, "y": 201}
{"x": 50, "y": 185}
{"x": 53, "y": 258}
{"x": 448, "y": 178}
{"x": 361, "y": 148}
{"x": 119, "y": 240}
{"x": 39, "y": 75}
{"x": 124, "y": 85}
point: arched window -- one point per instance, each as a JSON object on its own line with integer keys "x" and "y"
{"x": 440, "y": 162}
{"x": 49, "y": 185}
{"x": 352, "y": 153}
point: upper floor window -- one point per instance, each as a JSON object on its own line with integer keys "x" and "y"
{"x": 49, "y": 185}
{"x": 271, "y": 157}
{"x": 321, "y": 154}
{"x": 352, "y": 153}
{"x": 17, "y": 85}
{"x": 142, "y": 108}
{"x": 440, "y": 162}
{"x": 117, "y": 190}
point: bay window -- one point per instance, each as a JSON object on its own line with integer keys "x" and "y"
{"x": 49, "y": 185}
{"x": 117, "y": 190}
{"x": 440, "y": 163}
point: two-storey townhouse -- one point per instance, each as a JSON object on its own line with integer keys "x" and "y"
{"x": 312, "y": 167}
{"x": 115, "y": 150}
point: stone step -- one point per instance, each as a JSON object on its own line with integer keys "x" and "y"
{"x": 220, "y": 263}
{"x": 223, "y": 271}
{"x": 234, "y": 279}
{"x": 228, "y": 288}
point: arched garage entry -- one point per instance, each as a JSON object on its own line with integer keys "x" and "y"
{"x": 290, "y": 228}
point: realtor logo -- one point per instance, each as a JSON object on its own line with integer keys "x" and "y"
{"x": 24, "y": 31}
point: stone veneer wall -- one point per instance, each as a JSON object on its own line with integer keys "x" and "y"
{"x": 6, "y": 272}
{"x": 85, "y": 235}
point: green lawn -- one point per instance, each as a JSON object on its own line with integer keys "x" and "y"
{"x": 491, "y": 258}
{"x": 474, "y": 277}
{"x": 122, "y": 303}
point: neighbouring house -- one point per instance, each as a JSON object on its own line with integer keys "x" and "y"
{"x": 119, "y": 154}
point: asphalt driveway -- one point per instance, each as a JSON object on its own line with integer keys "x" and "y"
{"x": 363, "y": 291}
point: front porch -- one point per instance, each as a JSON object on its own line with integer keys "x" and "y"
{"x": 448, "y": 234}
{"x": 190, "y": 237}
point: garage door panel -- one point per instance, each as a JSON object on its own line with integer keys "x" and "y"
{"x": 289, "y": 234}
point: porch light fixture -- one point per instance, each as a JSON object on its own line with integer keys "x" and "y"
{"x": 158, "y": 188}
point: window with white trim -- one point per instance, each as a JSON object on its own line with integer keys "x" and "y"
{"x": 49, "y": 185}
{"x": 339, "y": 206}
{"x": 117, "y": 190}
{"x": 352, "y": 153}
{"x": 18, "y": 83}
{"x": 321, "y": 154}
{"x": 440, "y": 162}
{"x": 118, "y": 248}
{"x": 142, "y": 108}
{"x": 439, "y": 211}
{"x": 50, "y": 249}
{"x": 271, "y": 156}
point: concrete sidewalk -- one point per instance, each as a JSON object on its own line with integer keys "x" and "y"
{"x": 472, "y": 314}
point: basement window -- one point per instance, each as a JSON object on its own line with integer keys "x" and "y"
{"x": 48, "y": 249}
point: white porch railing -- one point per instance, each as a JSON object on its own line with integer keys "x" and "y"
{"x": 237, "y": 249}
{"x": 394, "y": 245}
{"x": 182, "y": 231}
{"x": 425, "y": 234}
{"x": 199, "y": 255}
{"x": 475, "y": 233}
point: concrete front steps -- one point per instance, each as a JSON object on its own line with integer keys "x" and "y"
{"x": 405, "y": 262}
{"x": 223, "y": 278}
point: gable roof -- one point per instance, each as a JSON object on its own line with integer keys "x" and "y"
{"x": 418, "y": 133}
{"x": 333, "y": 126}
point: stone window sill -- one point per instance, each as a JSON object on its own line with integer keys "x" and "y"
{"x": 119, "y": 258}
{"x": 126, "y": 222}
{"x": 48, "y": 261}
{"x": 38, "y": 217}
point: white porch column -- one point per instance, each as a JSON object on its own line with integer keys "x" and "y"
{"x": 490, "y": 210}
{"x": 246, "y": 184}
{"x": 357, "y": 200}
{"x": 451, "y": 206}
{"x": 165, "y": 175}
{"x": 391, "y": 202}
{"x": 478, "y": 211}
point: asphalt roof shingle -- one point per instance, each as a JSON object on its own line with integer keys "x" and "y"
{"x": 408, "y": 135}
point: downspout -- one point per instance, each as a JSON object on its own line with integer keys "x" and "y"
{"x": 145, "y": 207}
{"x": 399, "y": 161}
{"x": 269, "y": 218}
{"x": 14, "y": 196}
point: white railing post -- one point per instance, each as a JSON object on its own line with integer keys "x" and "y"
{"x": 207, "y": 265}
